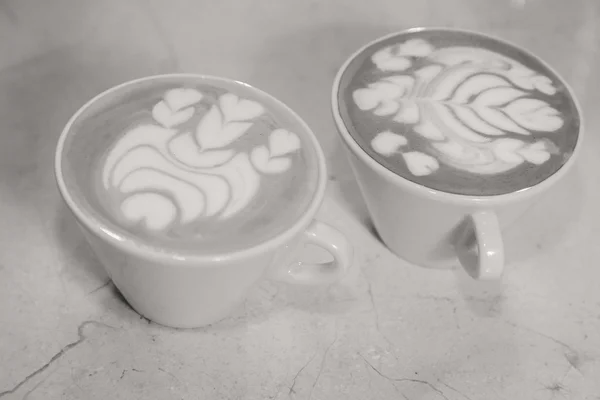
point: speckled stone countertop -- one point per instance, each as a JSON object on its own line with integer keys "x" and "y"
{"x": 389, "y": 330}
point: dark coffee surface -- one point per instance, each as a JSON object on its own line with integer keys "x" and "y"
{"x": 459, "y": 112}
{"x": 192, "y": 165}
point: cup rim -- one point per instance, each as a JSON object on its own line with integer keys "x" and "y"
{"x": 447, "y": 197}
{"x": 130, "y": 244}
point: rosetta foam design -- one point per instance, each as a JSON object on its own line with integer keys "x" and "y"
{"x": 477, "y": 109}
{"x": 171, "y": 177}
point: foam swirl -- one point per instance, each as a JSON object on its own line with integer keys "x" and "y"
{"x": 478, "y": 110}
{"x": 167, "y": 177}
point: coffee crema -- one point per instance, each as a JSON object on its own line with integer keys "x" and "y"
{"x": 458, "y": 112}
{"x": 197, "y": 166}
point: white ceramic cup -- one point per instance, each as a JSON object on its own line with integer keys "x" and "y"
{"x": 196, "y": 290}
{"x": 432, "y": 228}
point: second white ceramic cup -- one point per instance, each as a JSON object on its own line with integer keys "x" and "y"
{"x": 431, "y": 228}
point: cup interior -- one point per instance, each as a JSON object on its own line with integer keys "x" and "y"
{"x": 76, "y": 148}
{"x": 365, "y": 153}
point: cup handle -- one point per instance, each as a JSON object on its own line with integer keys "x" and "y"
{"x": 329, "y": 239}
{"x": 479, "y": 246}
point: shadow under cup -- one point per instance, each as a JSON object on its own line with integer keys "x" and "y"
{"x": 412, "y": 106}
{"x": 188, "y": 288}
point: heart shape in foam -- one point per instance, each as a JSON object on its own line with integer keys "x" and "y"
{"x": 507, "y": 150}
{"x": 180, "y": 98}
{"x": 420, "y": 164}
{"x": 236, "y": 109}
{"x": 265, "y": 164}
{"x": 536, "y": 153}
{"x": 169, "y": 118}
{"x": 282, "y": 142}
{"x": 366, "y": 99}
{"x": 387, "y": 143}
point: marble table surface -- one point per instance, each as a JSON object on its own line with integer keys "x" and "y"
{"x": 390, "y": 330}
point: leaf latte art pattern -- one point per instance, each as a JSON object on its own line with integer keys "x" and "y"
{"x": 167, "y": 176}
{"x": 476, "y": 110}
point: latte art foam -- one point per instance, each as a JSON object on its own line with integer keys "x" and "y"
{"x": 171, "y": 177}
{"x": 459, "y": 113}
{"x": 198, "y": 165}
